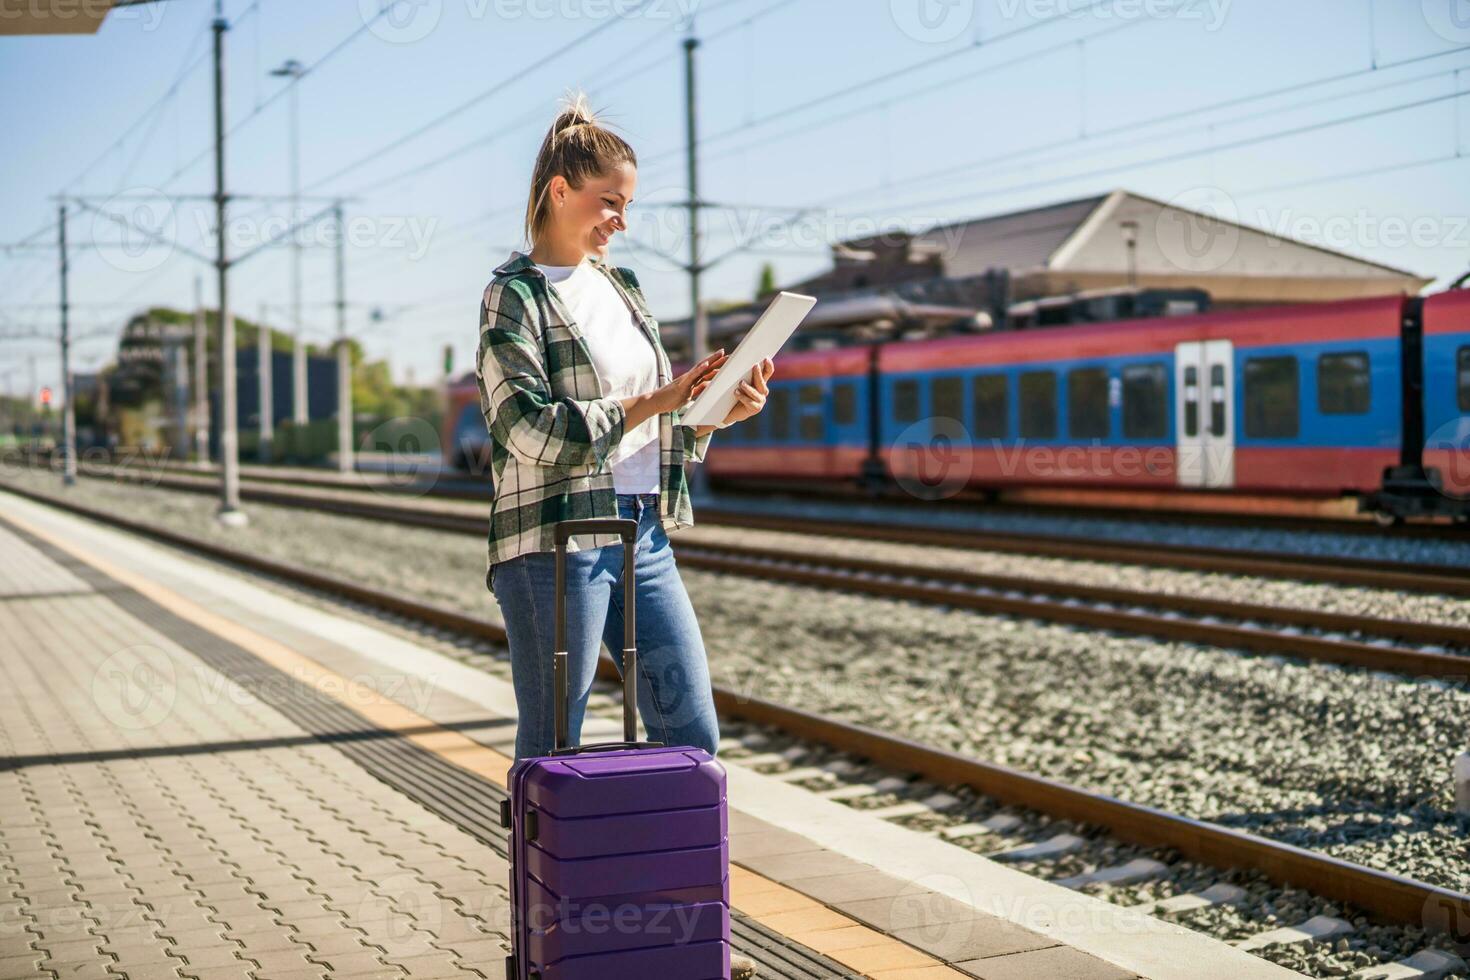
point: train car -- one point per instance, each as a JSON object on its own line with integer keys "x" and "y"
{"x": 1446, "y": 393}
{"x": 465, "y": 440}
{"x": 1299, "y": 399}
{"x": 816, "y": 424}
{"x": 1365, "y": 398}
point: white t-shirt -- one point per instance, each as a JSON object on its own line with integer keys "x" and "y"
{"x": 624, "y": 360}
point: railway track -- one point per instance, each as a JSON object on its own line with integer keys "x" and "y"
{"x": 1077, "y": 505}
{"x": 1380, "y": 894}
{"x": 1338, "y": 570}
{"x": 459, "y": 486}
{"x": 1373, "y": 643}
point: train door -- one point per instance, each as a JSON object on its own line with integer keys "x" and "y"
{"x": 1205, "y": 413}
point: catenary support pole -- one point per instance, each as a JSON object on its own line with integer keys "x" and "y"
{"x": 229, "y": 512}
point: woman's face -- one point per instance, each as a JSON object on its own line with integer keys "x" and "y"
{"x": 590, "y": 216}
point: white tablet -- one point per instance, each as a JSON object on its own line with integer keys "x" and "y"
{"x": 763, "y": 340}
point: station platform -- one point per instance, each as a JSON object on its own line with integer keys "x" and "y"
{"x": 202, "y": 776}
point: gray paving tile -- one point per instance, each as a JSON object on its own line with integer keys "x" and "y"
{"x": 1054, "y": 963}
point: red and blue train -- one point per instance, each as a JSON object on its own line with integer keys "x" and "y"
{"x": 1365, "y": 398}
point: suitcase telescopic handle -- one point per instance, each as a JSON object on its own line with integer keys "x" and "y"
{"x": 627, "y": 529}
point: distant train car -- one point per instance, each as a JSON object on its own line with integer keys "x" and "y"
{"x": 465, "y": 439}
{"x": 1369, "y": 398}
{"x": 1446, "y": 407}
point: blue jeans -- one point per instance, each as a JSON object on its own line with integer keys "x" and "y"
{"x": 675, "y": 702}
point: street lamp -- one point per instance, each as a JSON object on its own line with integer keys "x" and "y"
{"x": 1130, "y": 239}
{"x": 294, "y": 70}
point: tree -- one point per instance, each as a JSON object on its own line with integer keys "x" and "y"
{"x": 767, "y": 283}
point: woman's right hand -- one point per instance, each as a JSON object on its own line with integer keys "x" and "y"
{"x": 687, "y": 386}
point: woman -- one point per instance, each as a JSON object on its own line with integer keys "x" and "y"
{"x": 584, "y": 418}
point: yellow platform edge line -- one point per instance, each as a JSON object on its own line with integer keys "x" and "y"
{"x": 783, "y": 909}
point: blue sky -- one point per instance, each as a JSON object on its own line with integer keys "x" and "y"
{"x": 871, "y": 113}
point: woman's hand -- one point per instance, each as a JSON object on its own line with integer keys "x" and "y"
{"x": 750, "y": 394}
{"x": 687, "y": 386}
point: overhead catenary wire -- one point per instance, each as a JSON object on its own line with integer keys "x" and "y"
{"x": 1176, "y": 156}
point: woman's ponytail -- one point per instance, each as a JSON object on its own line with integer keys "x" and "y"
{"x": 577, "y": 146}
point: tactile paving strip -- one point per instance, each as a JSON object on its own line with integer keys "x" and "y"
{"x": 464, "y": 799}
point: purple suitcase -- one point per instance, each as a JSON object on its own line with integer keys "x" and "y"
{"x": 619, "y": 851}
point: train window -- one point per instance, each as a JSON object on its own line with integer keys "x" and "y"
{"x": 810, "y": 422}
{"x": 905, "y": 400}
{"x": 1462, "y": 363}
{"x": 844, "y": 403}
{"x": 1342, "y": 384}
{"x": 1217, "y": 399}
{"x": 949, "y": 399}
{"x": 1191, "y": 400}
{"x": 780, "y": 406}
{"x": 1145, "y": 414}
{"x": 1271, "y": 397}
{"x": 991, "y": 394}
{"x": 1038, "y": 405}
{"x": 1087, "y": 403}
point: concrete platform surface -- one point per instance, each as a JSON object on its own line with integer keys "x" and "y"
{"x": 172, "y": 808}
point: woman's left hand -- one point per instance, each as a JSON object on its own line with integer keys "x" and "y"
{"x": 750, "y": 394}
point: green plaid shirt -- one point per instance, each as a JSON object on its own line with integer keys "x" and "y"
{"x": 551, "y": 429}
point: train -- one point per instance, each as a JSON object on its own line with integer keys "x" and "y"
{"x": 1365, "y": 398}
